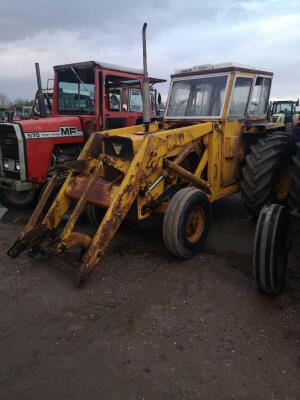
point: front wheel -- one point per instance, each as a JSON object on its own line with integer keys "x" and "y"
{"x": 271, "y": 249}
{"x": 14, "y": 200}
{"x": 186, "y": 222}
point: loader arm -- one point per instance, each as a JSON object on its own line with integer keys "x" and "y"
{"x": 45, "y": 238}
{"x": 147, "y": 176}
{"x": 117, "y": 211}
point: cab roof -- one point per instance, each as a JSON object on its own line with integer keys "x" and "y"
{"x": 113, "y": 67}
{"x": 216, "y": 68}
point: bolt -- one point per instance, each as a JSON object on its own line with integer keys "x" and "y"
{"x": 62, "y": 246}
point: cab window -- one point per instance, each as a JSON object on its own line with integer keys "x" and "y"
{"x": 197, "y": 97}
{"x": 115, "y": 99}
{"x": 260, "y": 96}
{"x": 76, "y": 91}
{"x": 240, "y": 97}
{"x": 135, "y": 101}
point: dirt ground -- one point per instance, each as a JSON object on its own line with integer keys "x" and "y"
{"x": 149, "y": 326}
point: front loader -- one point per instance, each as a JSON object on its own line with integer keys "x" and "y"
{"x": 215, "y": 125}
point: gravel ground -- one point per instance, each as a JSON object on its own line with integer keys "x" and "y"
{"x": 146, "y": 325}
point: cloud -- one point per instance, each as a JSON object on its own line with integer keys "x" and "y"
{"x": 180, "y": 34}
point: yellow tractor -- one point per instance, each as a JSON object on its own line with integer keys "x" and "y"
{"x": 213, "y": 141}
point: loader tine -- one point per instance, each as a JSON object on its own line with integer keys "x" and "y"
{"x": 41, "y": 204}
{"x": 35, "y": 236}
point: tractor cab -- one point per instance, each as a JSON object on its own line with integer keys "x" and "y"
{"x": 283, "y": 110}
{"x": 108, "y": 96}
{"x": 219, "y": 92}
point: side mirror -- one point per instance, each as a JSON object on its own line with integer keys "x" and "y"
{"x": 297, "y": 103}
{"x": 159, "y": 99}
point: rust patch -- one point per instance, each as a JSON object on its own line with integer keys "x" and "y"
{"x": 77, "y": 165}
{"x": 100, "y": 193}
{"x": 75, "y": 239}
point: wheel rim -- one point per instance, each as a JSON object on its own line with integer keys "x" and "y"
{"x": 22, "y": 197}
{"x": 195, "y": 224}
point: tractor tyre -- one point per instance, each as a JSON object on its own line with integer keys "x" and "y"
{"x": 94, "y": 214}
{"x": 294, "y": 192}
{"x": 264, "y": 176}
{"x": 271, "y": 249}
{"x": 289, "y": 127}
{"x": 19, "y": 200}
{"x": 186, "y": 222}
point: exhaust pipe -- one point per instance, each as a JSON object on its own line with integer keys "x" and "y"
{"x": 146, "y": 86}
{"x": 39, "y": 95}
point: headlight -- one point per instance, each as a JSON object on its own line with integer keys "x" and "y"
{"x": 17, "y": 166}
{"x": 5, "y": 164}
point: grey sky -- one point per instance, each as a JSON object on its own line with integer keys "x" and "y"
{"x": 181, "y": 33}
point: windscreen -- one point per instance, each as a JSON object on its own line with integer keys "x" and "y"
{"x": 283, "y": 107}
{"x": 76, "y": 91}
{"x": 197, "y": 97}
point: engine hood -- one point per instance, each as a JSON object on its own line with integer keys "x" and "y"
{"x": 62, "y": 126}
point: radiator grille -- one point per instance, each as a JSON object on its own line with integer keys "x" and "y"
{"x": 9, "y": 142}
{"x": 9, "y": 147}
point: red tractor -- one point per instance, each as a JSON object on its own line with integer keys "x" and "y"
{"x": 87, "y": 97}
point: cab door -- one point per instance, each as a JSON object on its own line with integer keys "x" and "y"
{"x": 123, "y": 104}
{"x": 232, "y": 147}
{"x": 114, "y": 104}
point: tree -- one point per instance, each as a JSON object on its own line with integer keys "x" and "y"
{"x": 4, "y": 100}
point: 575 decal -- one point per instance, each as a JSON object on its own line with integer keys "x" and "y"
{"x": 33, "y": 135}
{"x": 64, "y": 131}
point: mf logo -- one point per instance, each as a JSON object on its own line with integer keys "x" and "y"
{"x": 68, "y": 130}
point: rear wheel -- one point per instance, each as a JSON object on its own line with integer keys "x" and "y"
{"x": 266, "y": 173}
{"x": 294, "y": 192}
{"x": 19, "y": 200}
{"x": 186, "y": 222}
{"x": 271, "y": 249}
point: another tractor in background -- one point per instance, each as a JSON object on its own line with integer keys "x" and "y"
{"x": 283, "y": 111}
{"x": 87, "y": 97}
